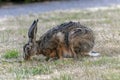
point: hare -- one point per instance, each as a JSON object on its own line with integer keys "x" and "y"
{"x": 66, "y": 40}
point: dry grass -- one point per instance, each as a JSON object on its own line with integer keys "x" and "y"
{"x": 106, "y": 25}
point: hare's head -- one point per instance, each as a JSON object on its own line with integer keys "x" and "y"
{"x": 31, "y": 47}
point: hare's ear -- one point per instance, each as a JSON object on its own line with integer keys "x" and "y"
{"x": 32, "y": 31}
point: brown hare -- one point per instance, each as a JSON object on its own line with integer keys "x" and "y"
{"x": 66, "y": 40}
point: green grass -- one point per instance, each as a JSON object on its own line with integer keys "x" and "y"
{"x": 11, "y": 54}
{"x": 37, "y": 70}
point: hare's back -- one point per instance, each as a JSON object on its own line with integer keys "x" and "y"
{"x": 52, "y": 37}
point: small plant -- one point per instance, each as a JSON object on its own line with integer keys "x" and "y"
{"x": 11, "y": 54}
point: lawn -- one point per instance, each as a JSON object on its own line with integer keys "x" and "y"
{"x": 104, "y": 22}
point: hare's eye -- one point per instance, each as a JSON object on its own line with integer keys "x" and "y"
{"x": 78, "y": 30}
{"x": 28, "y": 47}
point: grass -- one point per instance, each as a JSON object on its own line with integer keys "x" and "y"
{"x": 105, "y": 60}
{"x": 11, "y": 54}
{"x": 13, "y": 35}
{"x": 27, "y": 71}
{"x": 64, "y": 77}
{"x": 112, "y": 76}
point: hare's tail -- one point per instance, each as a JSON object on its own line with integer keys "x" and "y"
{"x": 94, "y": 54}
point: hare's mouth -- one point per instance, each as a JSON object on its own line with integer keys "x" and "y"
{"x": 27, "y": 58}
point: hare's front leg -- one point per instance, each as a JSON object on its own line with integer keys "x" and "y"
{"x": 73, "y": 53}
{"x": 67, "y": 52}
{"x": 59, "y": 53}
{"x": 52, "y": 55}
